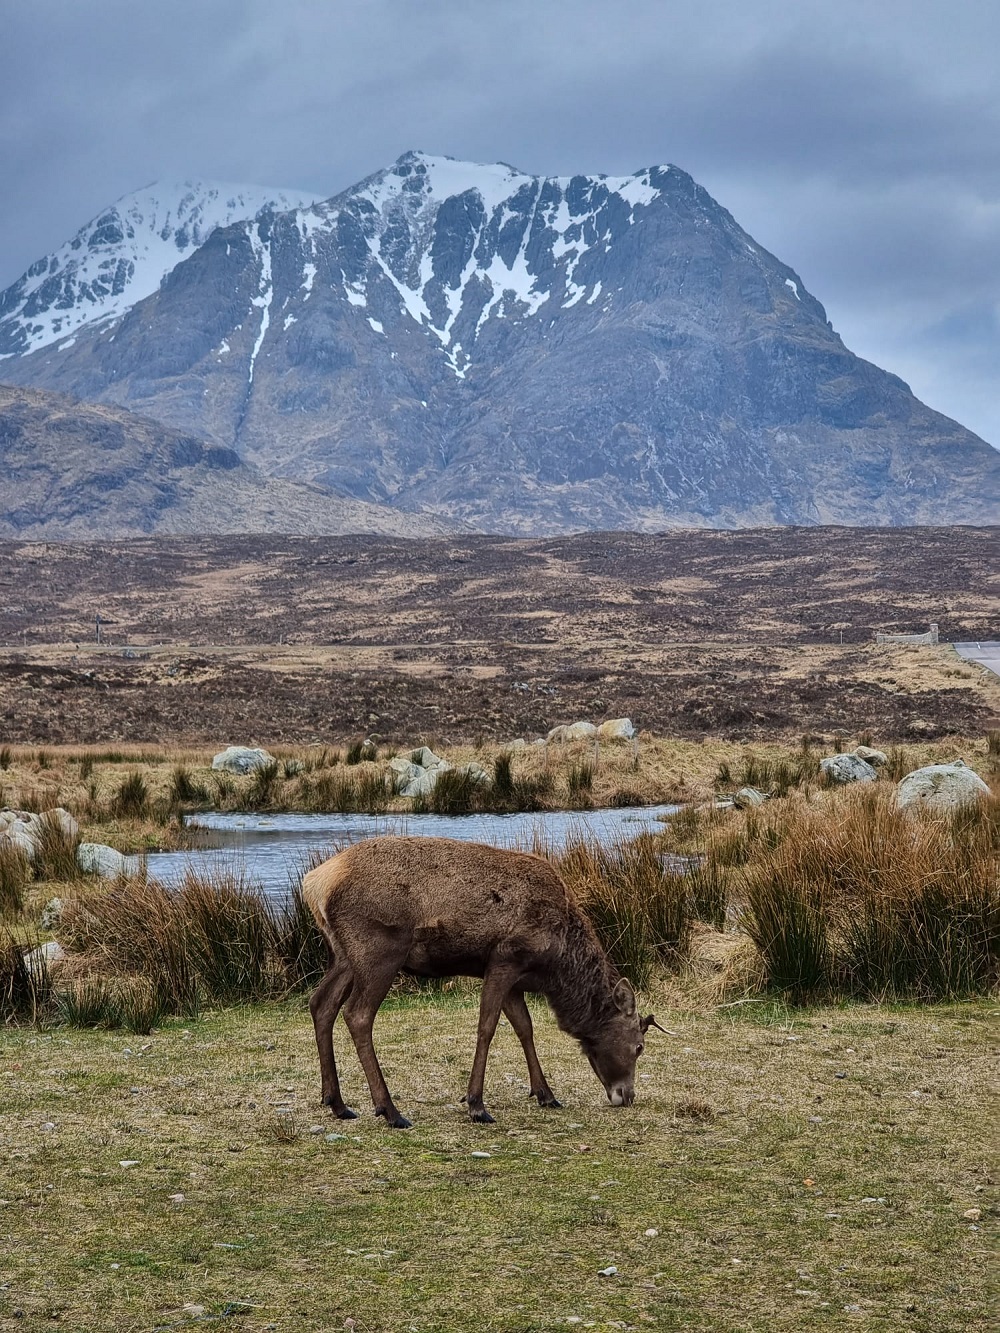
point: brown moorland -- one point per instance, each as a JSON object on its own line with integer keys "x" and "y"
{"x": 739, "y": 635}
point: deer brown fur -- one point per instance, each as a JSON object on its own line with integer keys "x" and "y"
{"x": 436, "y": 908}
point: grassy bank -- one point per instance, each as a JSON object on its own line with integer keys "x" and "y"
{"x": 778, "y": 1171}
{"x": 130, "y": 797}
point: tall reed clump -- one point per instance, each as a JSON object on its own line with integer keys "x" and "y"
{"x": 184, "y": 790}
{"x": 361, "y": 752}
{"x": 521, "y": 792}
{"x": 776, "y": 776}
{"x": 214, "y": 939}
{"x": 861, "y": 898}
{"x": 15, "y": 875}
{"x": 131, "y": 800}
{"x": 455, "y": 792}
{"x": 55, "y": 851}
{"x": 363, "y": 791}
{"x": 641, "y": 913}
{"x": 25, "y": 985}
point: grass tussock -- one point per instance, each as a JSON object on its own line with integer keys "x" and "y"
{"x": 363, "y": 790}
{"x": 55, "y": 851}
{"x": 775, "y": 775}
{"x": 642, "y": 914}
{"x": 131, "y": 799}
{"x": 859, "y": 898}
{"x": 25, "y": 985}
{"x": 15, "y": 876}
{"x": 214, "y": 940}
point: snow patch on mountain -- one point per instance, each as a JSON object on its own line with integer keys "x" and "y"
{"x": 123, "y": 255}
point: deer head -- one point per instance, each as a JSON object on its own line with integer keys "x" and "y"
{"x": 615, "y": 1048}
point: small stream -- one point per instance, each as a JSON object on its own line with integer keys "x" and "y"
{"x": 271, "y": 851}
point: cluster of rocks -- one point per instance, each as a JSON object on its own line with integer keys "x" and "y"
{"x": 937, "y": 787}
{"x": 418, "y": 775}
{"x": 23, "y": 829}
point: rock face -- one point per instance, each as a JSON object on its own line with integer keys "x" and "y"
{"x": 616, "y": 729}
{"x": 940, "y": 788}
{"x": 874, "y": 757}
{"x": 524, "y": 353}
{"x": 71, "y": 470}
{"x": 844, "y": 768}
{"x": 242, "y": 759}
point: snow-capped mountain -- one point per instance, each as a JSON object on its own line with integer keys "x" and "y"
{"x": 527, "y": 354}
{"x": 122, "y": 256}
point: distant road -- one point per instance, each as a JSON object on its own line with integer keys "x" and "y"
{"x": 987, "y": 653}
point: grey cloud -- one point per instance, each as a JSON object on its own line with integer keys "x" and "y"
{"x": 860, "y": 143}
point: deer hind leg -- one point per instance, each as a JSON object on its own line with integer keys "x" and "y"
{"x": 359, "y": 1015}
{"x": 496, "y": 988}
{"x": 520, "y": 1020}
{"x": 324, "y": 1005}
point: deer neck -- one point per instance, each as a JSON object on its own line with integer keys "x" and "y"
{"x": 580, "y": 985}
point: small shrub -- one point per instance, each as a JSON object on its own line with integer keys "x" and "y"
{"x": 131, "y": 800}
{"x": 6, "y": 757}
{"x": 43, "y": 759}
{"x": 580, "y": 779}
{"x": 86, "y": 767}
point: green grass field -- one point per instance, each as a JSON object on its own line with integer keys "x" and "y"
{"x": 780, "y": 1170}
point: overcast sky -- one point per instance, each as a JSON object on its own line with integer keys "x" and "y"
{"x": 858, "y": 141}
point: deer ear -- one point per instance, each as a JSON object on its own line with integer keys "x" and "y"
{"x": 624, "y": 998}
{"x": 650, "y": 1022}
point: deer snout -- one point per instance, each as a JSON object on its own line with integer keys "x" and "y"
{"x": 622, "y": 1094}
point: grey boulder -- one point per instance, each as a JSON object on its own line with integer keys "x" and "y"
{"x": 94, "y": 858}
{"x": 844, "y": 768}
{"x": 242, "y": 759}
{"x": 940, "y": 788}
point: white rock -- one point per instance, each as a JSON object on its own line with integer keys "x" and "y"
{"x": 242, "y": 759}
{"x": 844, "y": 768}
{"x": 518, "y": 743}
{"x": 39, "y": 958}
{"x": 747, "y": 797}
{"x": 616, "y": 729}
{"x": 94, "y": 858}
{"x": 426, "y": 758}
{"x": 475, "y": 772}
{"x": 574, "y": 731}
{"x": 404, "y": 773}
{"x": 50, "y": 914}
{"x": 940, "y": 787}
{"x": 21, "y": 834}
{"x": 874, "y": 757}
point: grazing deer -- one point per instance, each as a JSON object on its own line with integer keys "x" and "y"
{"x": 434, "y": 907}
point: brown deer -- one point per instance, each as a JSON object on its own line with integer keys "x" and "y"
{"x": 434, "y": 907}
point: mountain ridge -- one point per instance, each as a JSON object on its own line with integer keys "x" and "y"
{"x": 527, "y": 354}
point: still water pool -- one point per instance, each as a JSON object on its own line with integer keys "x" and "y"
{"x": 272, "y": 850}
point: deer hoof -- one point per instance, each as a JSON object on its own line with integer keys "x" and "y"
{"x": 345, "y": 1113}
{"x": 482, "y": 1117}
{"x": 393, "y": 1119}
{"x": 550, "y": 1104}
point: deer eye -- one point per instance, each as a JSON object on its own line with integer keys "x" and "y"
{"x": 639, "y": 1049}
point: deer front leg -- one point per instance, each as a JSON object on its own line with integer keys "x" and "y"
{"x": 496, "y": 987}
{"x": 519, "y": 1018}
